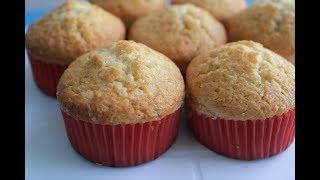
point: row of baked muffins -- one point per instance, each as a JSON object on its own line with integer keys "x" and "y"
{"x": 121, "y": 100}
{"x": 180, "y": 32}
{"x": 121, "y": 103}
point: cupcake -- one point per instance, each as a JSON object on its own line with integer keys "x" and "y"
{"x": 121, "y": 104}
{"x": 269, "y": 22}
{"x": 241, "y": 100}
{"x": 220, "y": 9}
{"x": 180, "y": 32}
{"x": 131, "y": 10}
{"x": 70, "y": 30}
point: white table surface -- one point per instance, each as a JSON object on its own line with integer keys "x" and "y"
{"x": 49, "y": 155}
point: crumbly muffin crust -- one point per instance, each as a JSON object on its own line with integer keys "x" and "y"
{"x": 220, "y": 9}
{"x": 122, "y": 83}
{"x": 241, "y": 81}
{"x": 269, "y": 22}
{"x": 70, "y": 30}
{"x": 180, "y": 32}
{"x": 130, "y": 10}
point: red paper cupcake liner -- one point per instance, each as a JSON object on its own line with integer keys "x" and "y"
{"x": 246, "y": 140}
{"x": 122, "y": 145}
{"x": 46, "y": 75}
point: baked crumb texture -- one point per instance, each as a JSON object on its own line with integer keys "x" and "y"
{"x": 241, "y": 81}
{"x": 130, "y": 10}
{"x": 70, "y": 30}
{"x": 269, "y": 22}
{"x": 122, "y": 83}
{"x": 220, "y": 9}
{"x": 180, "y": 32}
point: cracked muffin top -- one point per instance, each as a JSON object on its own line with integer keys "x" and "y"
{"x": 269, "y": 22}
{"x": 70, "y": 30}
{"x": 241, "y": 81}
{"x": 220, "y": 9}
{"x": 180, "y": 32}
{"x": 130, "y": 10}
{"x": 122, "y": 83}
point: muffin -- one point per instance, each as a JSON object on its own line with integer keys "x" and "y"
{"x": 220, "y": 9}
{"x": 180, "y": 32}
{"x": 121, "y": 104}
{"x": 269, "y": 22}
{"x": 130, "y": 10}
{"x": 70, "y": 30}
{"x": 241, "y": 100}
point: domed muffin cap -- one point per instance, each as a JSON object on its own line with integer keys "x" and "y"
{"x": 70, "y": 30}
{"x": 180, "y": 32}
{"x": 130, "y": 10}
{"x": 241, "y": 81}
{"x": 220, "y": 9}
{"x": 123, "y": 83}
{"x": 269, "y": 22}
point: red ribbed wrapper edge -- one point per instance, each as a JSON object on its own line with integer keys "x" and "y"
{"x": 45, "y": 75}
{"x": 122, "y": 145}
{"x": 246, "y": 140}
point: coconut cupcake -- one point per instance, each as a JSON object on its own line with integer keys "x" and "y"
{"x": 269, "y": 22}
{"x": 241, "y": 99}
{"x": 59, "y": 37}
{"x": 130, "y": 10}
{"x": 180, "y": 32}
{"x": 121, "y": 104}
{"x": 220, "y": 9}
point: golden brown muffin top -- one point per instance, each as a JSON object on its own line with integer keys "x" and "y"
{"x": 241, "y": 81}
{"x": 220, "y": 9}
{"x": 123, "y": 83}
{"x": 130, "y": 10}
{"x": 180, "y": 32}
{"x": 269, "y": 22}
{"x": 70, "y": 30}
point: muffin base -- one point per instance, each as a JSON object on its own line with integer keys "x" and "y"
{"x": 246, "y": 140}
{"x": 122, "y": 145}
{"x": 45, "y": 75}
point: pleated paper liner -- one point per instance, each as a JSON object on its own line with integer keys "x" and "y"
{"x": 246, "y": 140}
{"x": 122, "y": 145}
{"x": 46, "y": 75}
